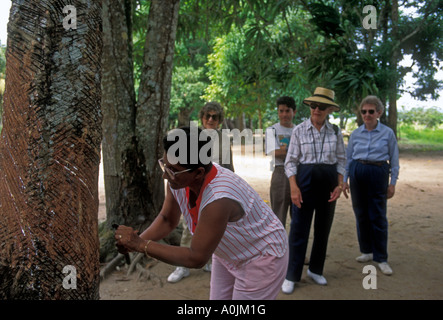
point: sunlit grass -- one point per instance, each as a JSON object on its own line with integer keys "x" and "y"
{"x": 424, "y": 139}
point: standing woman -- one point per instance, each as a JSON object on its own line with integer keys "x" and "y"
{"x": 372, "y": 156}
{"x": 315, "y": 165}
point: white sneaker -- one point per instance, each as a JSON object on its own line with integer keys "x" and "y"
{"x": 178, "y": 274}
{"x": 385, "y": 268}
{"x": 365, "y": 257}
{"x": 318, "y": 278}
{"x": 207, "y": 267}
{"x": 288, "y": 286}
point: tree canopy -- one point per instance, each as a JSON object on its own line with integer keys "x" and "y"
{"x": 257, "y": 50}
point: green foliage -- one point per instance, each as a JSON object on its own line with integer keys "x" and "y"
{"x": 429, "y": 118}
{"x": 247, "y": 53}
{"x": 424, "y": 43}
{"x": 253, "y": 65}
{"x": 420, "y": 139}
{"x": 2, "y": 61}
{"x": 356, "y": 62}
{"x": 188, "y": 86}
{"x": 421, "y": 129}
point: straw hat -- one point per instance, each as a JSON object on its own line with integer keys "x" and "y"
{"x": 324, "y": 96}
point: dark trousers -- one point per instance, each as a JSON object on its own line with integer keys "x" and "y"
{"x": 316, "y": 182}
{"x": 369, "y": 184}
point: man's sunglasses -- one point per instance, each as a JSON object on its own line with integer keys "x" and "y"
{"x": 168, "y": 171}
{"x": 370, "y": 111}
{"x": 321, "y": 107}
{"x": 214, "y": 117}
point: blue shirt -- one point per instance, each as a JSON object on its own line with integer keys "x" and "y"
{"x": 379, "y": 144}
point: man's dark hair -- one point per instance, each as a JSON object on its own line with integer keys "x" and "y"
{"x": 195, "y": 136}
{"x": 289, "y": 101}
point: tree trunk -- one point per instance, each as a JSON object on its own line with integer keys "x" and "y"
{"x": 393, "y": 63}
{"x": 133, "y": 131}
{"x": 155, "y": 93}
{"x": 184, "y": 116}
{"x": 123, "y": 203}
{"x": 50, "y": 152}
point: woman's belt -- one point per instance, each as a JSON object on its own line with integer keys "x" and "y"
{"x": 373, "y": 163}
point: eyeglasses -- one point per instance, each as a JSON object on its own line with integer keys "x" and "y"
{"x": 214, "y": 117}
{"x": 168, "y": 171}
{"x": 321, "y": 107}
{"x": 370, "y": 111}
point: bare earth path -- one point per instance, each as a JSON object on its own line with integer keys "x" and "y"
{"x": 415, "y": 244}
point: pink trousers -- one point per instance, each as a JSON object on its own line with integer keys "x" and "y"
{"x": 260, "y": 279}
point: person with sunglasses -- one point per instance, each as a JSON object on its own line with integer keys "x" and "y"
{"x": 227, "y": 217}
{"x": 315, "y": 165}
{"x": 211, "y": 116}
{"x": 372, "y": 158}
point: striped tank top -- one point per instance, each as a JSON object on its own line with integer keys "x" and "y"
{"x": 259, "y": 232}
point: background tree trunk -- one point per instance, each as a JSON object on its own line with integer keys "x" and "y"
{"x": 155, "y": 93}
{"x": 133, "y": 131}
{"x": 118, "y": 106}
{"x": 50, "y": 153}
{"x": 393, "y": 64}
{"x": 184, "y": 116}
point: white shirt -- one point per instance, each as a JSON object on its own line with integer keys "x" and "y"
{"x": 276, "y": 136}
{"x": 309, "y": 146}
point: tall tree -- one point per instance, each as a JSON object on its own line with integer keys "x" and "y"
{"x": 155, "y": 92}
{"x": 134, "y": 124}
{"x": 119, "y": 107}
{"x": 358, "y": 60}
{"x": 50, "y": 151}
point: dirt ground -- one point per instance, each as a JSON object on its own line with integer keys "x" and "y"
{"x": 415, "y": 245}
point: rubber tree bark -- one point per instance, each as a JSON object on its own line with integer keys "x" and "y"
{"x": 50, "y": 151}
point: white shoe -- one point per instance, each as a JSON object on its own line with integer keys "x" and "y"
{"x": 207, "y": 267}
{"x": 288, "y": 286}
{"x": 365, "y": 257}
{"x": 318, "y": 278}
{"x": 385, "y": 268}
{"x": 178, "y": 274}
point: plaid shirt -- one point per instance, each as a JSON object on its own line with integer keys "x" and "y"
{"x": 309, "y": 146}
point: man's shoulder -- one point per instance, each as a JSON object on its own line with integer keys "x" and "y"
{"x": 274, "y": 126}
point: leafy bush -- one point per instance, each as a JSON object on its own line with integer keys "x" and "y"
{"x": 429, "y": 118}
{"x": 424, "y": 139}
